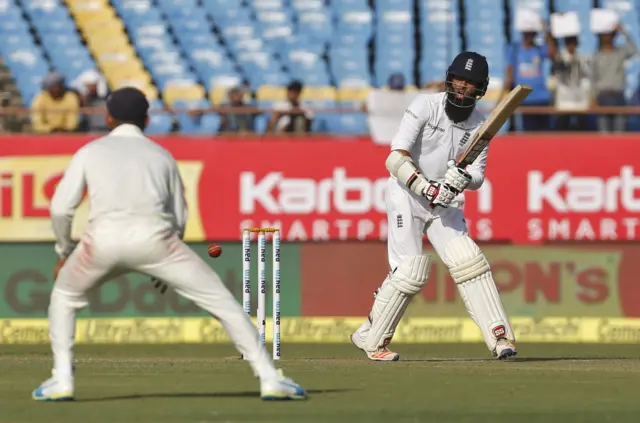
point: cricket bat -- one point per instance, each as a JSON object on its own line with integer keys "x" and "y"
{"x": 494, "y": 122}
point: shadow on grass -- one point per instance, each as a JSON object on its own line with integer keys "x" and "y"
{"x": 245, "y": 394}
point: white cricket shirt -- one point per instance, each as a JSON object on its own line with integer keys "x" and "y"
{"x": 127, "y": 177}
{"x": 432, "y": 139}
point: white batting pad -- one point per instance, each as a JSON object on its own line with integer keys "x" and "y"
{"x": 472, "y": 274}
{"x": 394, "y": 297}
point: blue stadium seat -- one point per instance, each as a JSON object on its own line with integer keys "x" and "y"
{"x": 348, "y": 59}
{"x": 490, "y": 43}
{"x": 191, "y": 25}
{"x": 356, "y": 23}
{"x": 483, "y": 11}
{"x": 11, "y": 20}
{"x": 210, "y": 124}
{"x": 15, "y": 41}
{"x": 177, "y": 4}
{"x": 343, "y": 6}
{"x": 21, "y": 55}
{"x": 316, "y": 24}
{"x": 308, "y": 5}
{"x": 160, "y": 122}
{"x": 341, "y": 123}
{"x": 154, "y": 42}
{"x": 393, "y": 5}
{"x": 222, "y": 5}
{"x": 223, "y": 18}
{"x": 393, "y": 58}
{"x": 60, "y": 39}
{"x": 261, "y": 123}
{"x": 439, "y": 36}
{"x": 394, "y": 44}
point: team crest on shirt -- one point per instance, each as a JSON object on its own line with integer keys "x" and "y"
{"x": 464, "y": 139}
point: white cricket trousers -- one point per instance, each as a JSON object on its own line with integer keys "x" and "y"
{"x": 109, "y": 249}
{"x": 410, "y": 216}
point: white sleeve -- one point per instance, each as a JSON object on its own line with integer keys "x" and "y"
{"x": 411, "y": 124}
{"x": 476, "y": 170}
{"x": 180, "y": 211}
{"x": 66, "y": 199}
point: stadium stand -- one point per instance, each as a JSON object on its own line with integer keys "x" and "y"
{"x": 484, "y": 30}
{"x": 187, "y": 53}
{"x": 440, "y": 38}
{"x": 56, "y": 35}
{"x": 20, "y": 51}
{"x": 109, "y": 45}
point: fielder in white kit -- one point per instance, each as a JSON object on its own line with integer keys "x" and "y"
{"x": 136, "y": 222}
{"x": 425, "y": 195}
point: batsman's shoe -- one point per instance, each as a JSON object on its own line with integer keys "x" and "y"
{"x": 280, "y": 389}
{"x": 504, "y": 349}
{"x": 54, "y": 389}
{"x": 381, "y": 354}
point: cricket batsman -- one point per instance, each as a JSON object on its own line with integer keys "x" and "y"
{"x": 425, "y": 195}
{"x": 136, "y": 223}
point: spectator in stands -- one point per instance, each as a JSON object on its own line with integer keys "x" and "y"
{"x": 525, "y": 66}
{"x": 396, "y": 82}
{"x": 609, "y": 77}
{"x": 236, "y": 121}
{"x": 56, "y": 108}
{"x": 93, "y": 92}
{"x": 289, "y": 115}
{"x": 570, "y": 85}
{"x": 386, "y": 106}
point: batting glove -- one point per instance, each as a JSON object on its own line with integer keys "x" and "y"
{"x": 456, "y": 178}
{"x": 439, "y": 194}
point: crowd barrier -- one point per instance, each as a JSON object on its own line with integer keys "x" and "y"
{"x": 525, "y": 110}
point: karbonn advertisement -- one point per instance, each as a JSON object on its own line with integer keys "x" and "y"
{"x": 535, "y": 189}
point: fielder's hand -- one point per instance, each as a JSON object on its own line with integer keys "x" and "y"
{"x": 159, "y": 285}
{"x": 439, "y": 194}
{"x": 456, "y": 178}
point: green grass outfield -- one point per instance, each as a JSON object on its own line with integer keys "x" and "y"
{"x": 438, "y": 383}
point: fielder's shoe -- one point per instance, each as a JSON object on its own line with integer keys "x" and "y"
{"x": 280, "y": 389}
{"x": 381, "y": 354}
{"x": 54, "y": 389}
{"x": 504, "y": 349}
